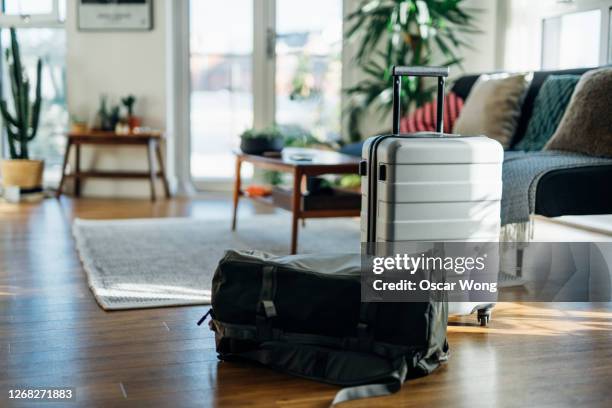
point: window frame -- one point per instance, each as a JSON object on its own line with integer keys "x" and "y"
{"x": 48, "y": 20}
{"x": 605, "y": 33}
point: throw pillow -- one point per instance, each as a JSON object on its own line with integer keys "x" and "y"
{"x": 424, "y": 118}
{"x": 586, "y": 126}
{"x": 493, "y": 107}
{"x": 548, "y": 109}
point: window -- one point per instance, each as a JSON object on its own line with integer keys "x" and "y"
{"x": 297, "y": 43}
{"x": 47, "y": 41}
{"x": 571, "y": 40}
{"x": 308, "y": 66}
{"x": 221, "y": 66}
{"x": 16, "y": 13}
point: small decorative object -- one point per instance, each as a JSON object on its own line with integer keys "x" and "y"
{"x": 132, "y": 120}
{"x": 258, "y": 142}
{"x": 77, "y": 125}
{"x": 101, "y": 121}
{"x": 122, "y": 127}
{"x": 21, "y": 125}
{"x": 113, "y": 117}
{"x": 115, "y": 15}
{"x": 106, "y": 119}
{"x": 256, "y": 190}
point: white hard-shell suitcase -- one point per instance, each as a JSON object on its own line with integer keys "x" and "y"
{"x": 431, "y": 186}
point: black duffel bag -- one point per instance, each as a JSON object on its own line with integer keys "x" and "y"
{"x": 303, "y": 315}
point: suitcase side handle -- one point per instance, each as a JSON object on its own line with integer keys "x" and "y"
{"x": 398, "y": 72}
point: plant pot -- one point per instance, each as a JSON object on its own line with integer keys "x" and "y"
{"x": 25, "y": 174}
{"x": 78, "y": 127}
{"x": 134, "y": 122}
{"x": 260, "y": 145}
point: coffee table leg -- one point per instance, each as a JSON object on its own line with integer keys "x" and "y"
{"x": 237, "y": 187}
{"x": 295, "y": 208}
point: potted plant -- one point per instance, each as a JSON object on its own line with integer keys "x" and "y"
{"x": 77, "y": 125}
{"x": 402, "y": 32}
{"x": 259, "y": 141}
{"x": 22, "y": 124}
{"x": 132, "y": 120}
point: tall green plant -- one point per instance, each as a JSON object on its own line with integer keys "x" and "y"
{"x": 22, "y": 125}
{"x": 402, "y": 32}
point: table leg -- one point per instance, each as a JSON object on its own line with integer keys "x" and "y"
{"x": 77, "y": 171}
{"x": 64, "y": 165}
{"x": 237, "y": 187}
{"x": 295, "y": 208}
{"x": 152, "y": 172}
{"x": 162, "y": 169}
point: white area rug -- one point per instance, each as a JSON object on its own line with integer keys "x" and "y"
{"x": 143, "y": 263}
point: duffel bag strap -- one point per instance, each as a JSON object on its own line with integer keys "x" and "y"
{"x": 387, "y": 386}
{"x": 266, "y": 310}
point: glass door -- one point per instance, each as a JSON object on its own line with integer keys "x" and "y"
{"x": 308, "y": 66}
{"x": 221, "y": 65}
{"x": 278, "y": 63}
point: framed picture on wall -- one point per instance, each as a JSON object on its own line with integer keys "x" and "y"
{"x": 115, "y": 15}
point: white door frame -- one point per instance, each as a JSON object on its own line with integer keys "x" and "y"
{"x": 178, "y": 90}
{"x": 264, "y": 63}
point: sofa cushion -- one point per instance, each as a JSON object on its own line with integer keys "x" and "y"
{"x": 586, "y": 126}
{"x": 462, "y": 86}
{"x": 549, "y": 106}
{"x": 424, "y": 118}
{"x": 492, "y": 107}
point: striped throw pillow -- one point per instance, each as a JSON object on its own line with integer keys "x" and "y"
{"x": 423, "y": 119}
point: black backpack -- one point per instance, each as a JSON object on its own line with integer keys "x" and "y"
{"x": 303, "y": 315}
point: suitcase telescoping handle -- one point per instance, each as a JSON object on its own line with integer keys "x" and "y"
{"x": 398, "y": 72}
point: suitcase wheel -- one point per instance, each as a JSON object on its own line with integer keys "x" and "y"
{"x": 484, "y": 316}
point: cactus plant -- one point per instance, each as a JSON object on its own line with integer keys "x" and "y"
{"x": 22, "y": 125}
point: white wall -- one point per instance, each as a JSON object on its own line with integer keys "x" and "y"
{"x": 483, "y": 54}
{"x": 117, "y": 64}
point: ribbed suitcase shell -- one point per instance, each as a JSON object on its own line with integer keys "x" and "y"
{"x": 435, "y": 188}
{"x": 431, "y": 186}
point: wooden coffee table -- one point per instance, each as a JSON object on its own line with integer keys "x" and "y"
{"x": 321, "y": 162}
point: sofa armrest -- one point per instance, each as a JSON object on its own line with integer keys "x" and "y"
{"x": 577, "y": 191}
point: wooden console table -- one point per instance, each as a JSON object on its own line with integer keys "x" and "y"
{"x": 321, "y": 162}
{"x": 150, "y": 140}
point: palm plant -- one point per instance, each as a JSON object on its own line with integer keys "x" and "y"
{"x": 402, "y": 32}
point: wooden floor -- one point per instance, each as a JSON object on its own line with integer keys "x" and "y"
{"x": 52, "y": 333}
